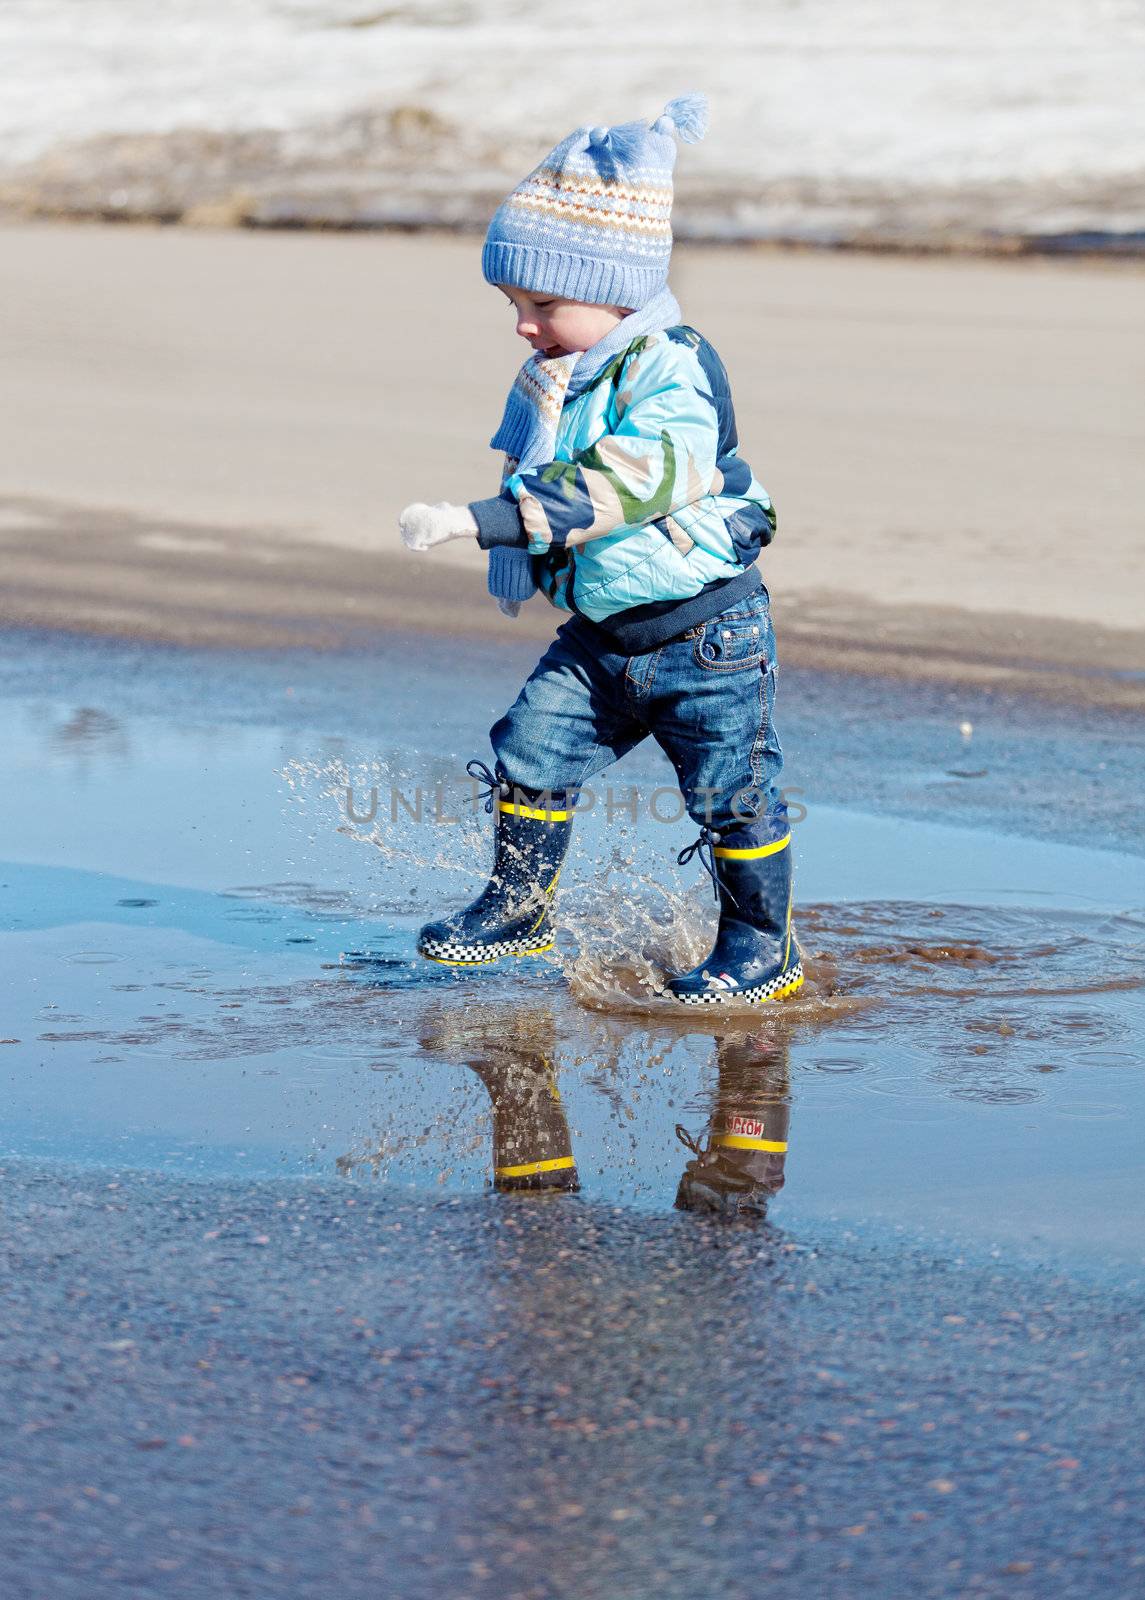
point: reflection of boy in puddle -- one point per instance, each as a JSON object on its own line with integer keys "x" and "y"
{"x": 532, "y": 1147}
{"x": 733, "y": 1175}
{"x": 626, "y": 501}
{"x": 742, "y": 1165}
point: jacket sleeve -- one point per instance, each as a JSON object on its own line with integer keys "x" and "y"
{"x": 661, "y": 456}
{"x": 499, "y": 522}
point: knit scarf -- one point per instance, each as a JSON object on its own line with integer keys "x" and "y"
{"x": 528, "y": 431}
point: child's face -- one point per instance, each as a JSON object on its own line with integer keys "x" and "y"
{"x": 558, "y": 327}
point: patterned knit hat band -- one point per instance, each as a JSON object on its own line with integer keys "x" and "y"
{"x": 594, "y": 282}
{"x": 593, "y": 222}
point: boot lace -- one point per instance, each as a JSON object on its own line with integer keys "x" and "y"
{"x": 689, "y": 1140}
{"x": 704, "y": 847}
{"x": 480, "y": 773}
{"x": 494, "y": 784}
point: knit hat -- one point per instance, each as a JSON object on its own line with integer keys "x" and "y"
{"x": 592, "y": 222}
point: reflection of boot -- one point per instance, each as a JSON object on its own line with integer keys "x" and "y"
{"x": 532, "y": 1148}
{"x": 742, "y": 1165}
{"x": 512, "y": 1054}
{"x": 511, "y": 915}
{"x": 755, "y": 957}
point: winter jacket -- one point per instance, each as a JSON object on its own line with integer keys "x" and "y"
{"x": 648, "y": 520}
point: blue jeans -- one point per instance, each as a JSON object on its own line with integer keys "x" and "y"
{"x": 706, "y": 698}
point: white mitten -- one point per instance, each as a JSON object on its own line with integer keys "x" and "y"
{"x": 509, "y": 607}
{"x": 424, "y": 526}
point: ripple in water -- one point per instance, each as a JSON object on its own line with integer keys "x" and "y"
{"x": 1002, "y": 1007}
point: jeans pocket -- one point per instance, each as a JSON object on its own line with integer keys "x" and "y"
{"x": 729, "y": 644}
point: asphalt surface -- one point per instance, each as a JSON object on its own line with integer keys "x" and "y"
{"x": 302, "y": 1386}
{"x": 298, "y": 1389}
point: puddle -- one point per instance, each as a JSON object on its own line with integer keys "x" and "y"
{"x": 208, "y": 969}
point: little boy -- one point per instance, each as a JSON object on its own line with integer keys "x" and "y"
{"x": 626, "y": 502}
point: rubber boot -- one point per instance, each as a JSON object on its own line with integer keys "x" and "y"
{"x": 742, "y": 1165}
{"x": 512, "y": 1053}
{"x": 512, "y": 916}
{"x": 532, "y": 1147}
{"x": 755, "y": 956}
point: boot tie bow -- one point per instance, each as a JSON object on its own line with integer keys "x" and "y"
{"x": 493, "y": 784}
{"x": 704, "y": 847}
{"x": 689, "y": 1140}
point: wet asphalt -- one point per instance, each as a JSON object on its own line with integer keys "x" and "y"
{"x": 298, "y": 1386}
{"x": 294, "y": 1389}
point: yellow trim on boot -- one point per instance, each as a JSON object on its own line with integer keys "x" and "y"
{"x": 547, "y": 907}
{"x": 781, "y": 994}
{"x": 787, "y": 946}
{"x": 529, "y": 1169}
{"x": 538, "y": 814}
{"x": 756, "y": 852}
{"x": 740, "y": 1141}
{"x": 487, "y": 961}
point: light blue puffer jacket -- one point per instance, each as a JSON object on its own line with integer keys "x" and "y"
{"x": 648, "y": 500}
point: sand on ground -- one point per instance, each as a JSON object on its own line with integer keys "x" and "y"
{"x": 208, "y": 435}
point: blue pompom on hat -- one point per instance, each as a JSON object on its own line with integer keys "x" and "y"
{"x": 593, "y": 221}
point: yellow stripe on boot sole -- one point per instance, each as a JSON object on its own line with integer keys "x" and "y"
{"x": 780, "y": 994}
{"x": 445, "y": 961}
{"x": 755, "y": 853}
{"x": 529, "y": 1169}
